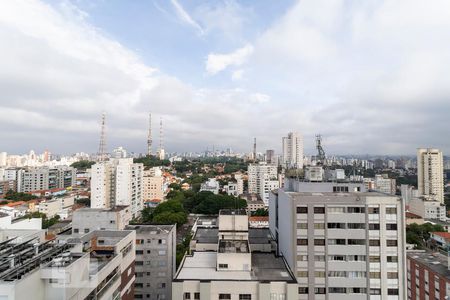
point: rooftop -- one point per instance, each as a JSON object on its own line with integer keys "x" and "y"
{"x": 266, "y": 267}
{"x": 433, "y": 260}
{"x": 155, "y": 229}
{"x": 241, "y": 212}
{"x": 445, "y": 235}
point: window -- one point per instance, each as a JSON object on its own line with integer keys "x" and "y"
{"x": 374, "y": 243}
{"x": 319, "y": 225}
{"x": 374, "y": 226}
{"x": 302, "y": 225}
{"x": 320, "y": 274}
{"x": 161, "y": 242}
{"x": 375, "y": 275}
{"x": 224, "y": 296}
{"x": 392, "y": 291}
{"x": 391, "y": 226}
{"x": 392, "y": 259}
{"x": 342, "y": 189}
{"x": 336, "y": 242}
{"x": 139, "y": 252}
{"x": 223, "y": 266}
{"x": 302, "y": 242}
{"x": 302, "y": 257}
{"x": 336, "y": 290}
{"x": 337, "y": 274}
{"x": 375, "y": 292}
{"x": 391, "y": 243}
{"x": 319, "y": 210}
{"x": 356, "y": 242}
{"x": 336, "y": 210}
{"x": 86, "y": 230}
{"x": 356, "y": 274}
{"x": 302, "y": 273}
{"x": 374, "y": 259}
{"x": 373, "y": 210}
{"x": 319, "y": 242}
{"x": 320, "y": 290}
{"x": 162, "y": 252}
{"x": 76, "y": 230}
{"x": 319, "y": 257}
{"x": 356, "y": 258}
{"x": 356, "y": 210}
{"x": 139, "y": 263}
{"x": 356, "y": 226}
{"x": 197, "y": 296}
{"x": 245, "y": 297}
{"x": 302, "y": 209}
{"x": 336, "y": 257}
{"x": 303, "y": 290}
{"x": 392, "y": 275}
{"x": 391, "y": 210}
{"x": 336, "y": 225}
{"x": 357, "y": 290}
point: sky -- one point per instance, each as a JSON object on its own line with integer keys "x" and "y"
{"x": 370, "y": 76}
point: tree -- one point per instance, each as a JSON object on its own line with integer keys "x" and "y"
{"x": 19, "y": 196}
{"x": 82, "y": 164}
{"x": 419, "y": 234}
{"x": 261, "y": 212}
{"x": 152, "y": 161}
{"x": 84, "y": 201}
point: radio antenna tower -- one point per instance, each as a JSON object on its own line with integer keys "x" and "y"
{"x": 149, "y": 137}
{"x": 101, "y": 155}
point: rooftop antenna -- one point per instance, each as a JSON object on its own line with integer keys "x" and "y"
{"x": 101, "y": 155}
{"x": 149, "y": 137}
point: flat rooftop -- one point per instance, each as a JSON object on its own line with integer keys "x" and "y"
{"x": 266, "y": 267}
{"x": 433, "y": 260}
{"x": 151, "y": 229}
{"x": 232, "y": 212}
{"x": 233, "y": 246}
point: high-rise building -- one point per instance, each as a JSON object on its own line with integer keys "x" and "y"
{"x": 117, "y": 182}
{"x": 292, "y": 150}
{"x": 430, "y": 173}
{"x": 153, "y": 185}
{"x": 342, "y": 242}
{"x": 119, "y": 152}
{"x": 270, "y": 157}
{"x": 384, "y": 184}
{"x": 262, "y": 179}
{"x": 155, "y": 261}
{"x": 3, "y": 159}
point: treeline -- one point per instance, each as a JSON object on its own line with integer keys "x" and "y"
{"x": 419, "y": 234}
{"x": 152, "y": 161}
{"x": 180, "y": 203}
{"x": 19, "y": 196}
{"x": 82, "y": 164}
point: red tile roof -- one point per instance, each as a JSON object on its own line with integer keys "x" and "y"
{"x": 258, "y": 218}
{"x": 445, "y": 235}
{"x": 410, "y": 215}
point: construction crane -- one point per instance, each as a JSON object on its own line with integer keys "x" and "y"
{"x": 320, "y": 158}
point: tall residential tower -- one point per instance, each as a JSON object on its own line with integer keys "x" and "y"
{"x": 430, "y": 173}
{"x": 293, "y": 151}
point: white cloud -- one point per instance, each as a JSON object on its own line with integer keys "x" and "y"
{"x": 184, "y": 16}
{"x": 237, "y": 75}
{"x": 219, "y": 62}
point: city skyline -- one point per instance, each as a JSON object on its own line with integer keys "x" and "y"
{"x": 369, "y": 77}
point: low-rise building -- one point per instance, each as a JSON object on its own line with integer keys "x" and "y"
{"x": 86, "y": 220}
{"x": 212, "y": 185}
{"x": 254, "y": 202}
{"x": 258, "y": 221}
{"x": 428, "y": 208}
{"x": 50, "y": 207}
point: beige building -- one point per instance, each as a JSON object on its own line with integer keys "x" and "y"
{"x": 233, "y": 271}
{"x": 153, "y": 187}
{"x": 430, "y": 173}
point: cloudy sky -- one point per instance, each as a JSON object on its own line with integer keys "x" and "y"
{"x": 370, "y": 76}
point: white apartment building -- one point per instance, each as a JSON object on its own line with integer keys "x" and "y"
{"x": 292, "y": 146}
{"x": 430, "y": 173}
{"x": 50, "y": 207}
{"x": 85, "y": 220}
{"x": 428, "y": 208}
{"x": 212, "y": 185}
{"x": 231, "y": 270}
{"x": 341, "y": 243}
{"x": 3, "y": 159}
{"x": 262, "y": 179}
{"x": 117, "y": 182}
